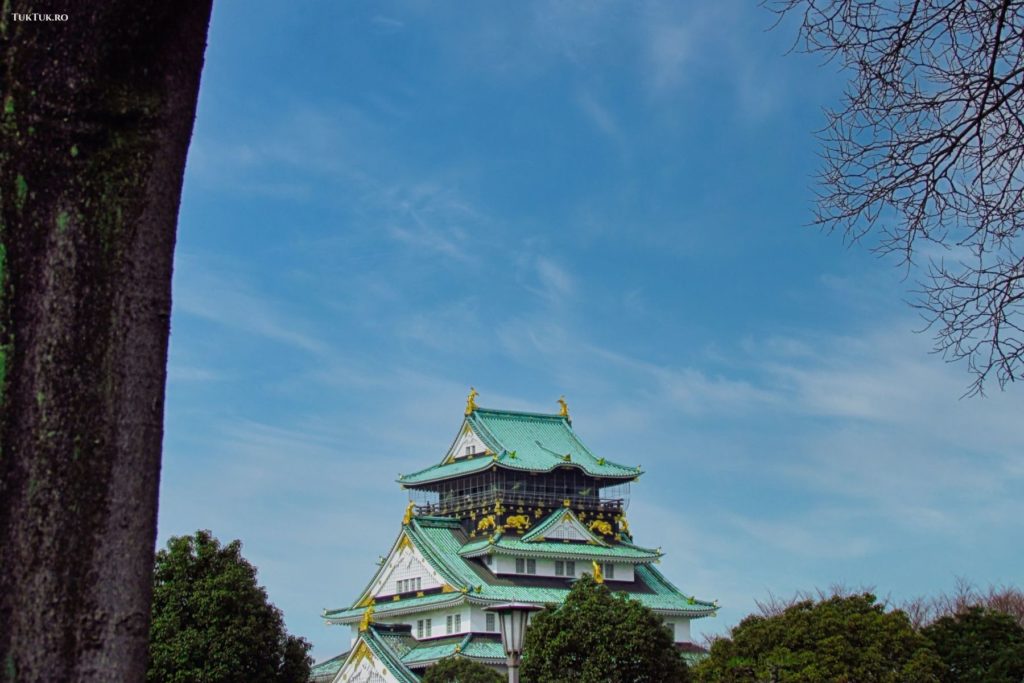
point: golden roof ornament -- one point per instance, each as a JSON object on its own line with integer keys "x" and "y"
{"x": 408, "y": 513}
{"x": 367, "y": 619}
{"x": 598, "y": 574}
{"x": 471, "y": 400}
{"x": 563, "y": 408}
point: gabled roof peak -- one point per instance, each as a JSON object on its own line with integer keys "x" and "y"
{"x": 517, "y": 440}
{"x": 521, "y": 413}
{"x": 472, "y": 407}
{"x": 564, "y": 525}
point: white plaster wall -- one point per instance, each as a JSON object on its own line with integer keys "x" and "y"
{"x": 478, "y": 620}
{"x": 504, "y": 565}
{"x": 680, "y": 629}
{"x": 438, "y": 621}
{"x": 507, "y": 565}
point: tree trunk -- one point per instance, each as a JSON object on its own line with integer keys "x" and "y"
{"x": 98, "y": 102}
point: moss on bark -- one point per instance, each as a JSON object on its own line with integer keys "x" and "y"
{"x": 97, "y": 116}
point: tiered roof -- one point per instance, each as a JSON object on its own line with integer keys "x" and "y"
{"x": 514, "y": 441}
{"x": 515, "y": 547}
{"x": 531, "y": 442}
{"x": 444, "y": 544}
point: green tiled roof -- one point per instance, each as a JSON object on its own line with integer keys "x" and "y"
{"x": 469, "y": 645}
{"x": 480, "y": 648}
{"x": 325, "y": 671}
{"x": 532, "y": 442}
{"x": 507, "y": 545}
{"x": 434, "y": 601}
{"x": 440, "y": 540}
{"x": 388, "y": 648}
{"x": 431, "y": 650}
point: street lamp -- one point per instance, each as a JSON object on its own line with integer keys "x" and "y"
{"x": 513, "y": 617}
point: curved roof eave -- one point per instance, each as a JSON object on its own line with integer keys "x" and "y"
{"x": 499, "y": 462}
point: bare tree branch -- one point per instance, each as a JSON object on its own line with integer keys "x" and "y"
{"x": 925, "y": 154}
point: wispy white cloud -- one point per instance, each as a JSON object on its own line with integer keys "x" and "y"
{"x": 555, "y": 282}
{"x": 224, "y": 301}
{"x": 178, "y": 372}
{"x": 671, "y": 47}
{"x": 386, "y": 24}
{"x": 598, "y": 114}
{"x": 811, "y": 535}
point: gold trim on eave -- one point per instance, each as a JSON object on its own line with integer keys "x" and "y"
{"x": 367, "y": 619}
{"x": 362, "y": 652}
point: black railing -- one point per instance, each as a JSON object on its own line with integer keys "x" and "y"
{"x": 466, "y": 502}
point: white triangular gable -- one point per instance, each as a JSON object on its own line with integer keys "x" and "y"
{"x": 566, "y": 528}
{"x": 466, "y": 443}
{"x": 569, "y": 528}
{"x": 362, "y": 667}
{"x": 404, "y": 563}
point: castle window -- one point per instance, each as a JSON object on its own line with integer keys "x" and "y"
{"x": 453, "y": 623}
{"x": 570, "y": 569}
{"x": 559, "y": 568}
{"x": 426, "y": 625}
{"x": 419, "y": 628}
{"x": 608, "y": 569}
{"x": 531, "y": 566}
{"x": 520, "y": 565}
{"x": 490, "y": 622}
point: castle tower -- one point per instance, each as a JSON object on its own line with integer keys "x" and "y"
{"x": 516, "y": 510}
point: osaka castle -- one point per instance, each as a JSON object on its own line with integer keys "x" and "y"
{"x": 515, "y": 511}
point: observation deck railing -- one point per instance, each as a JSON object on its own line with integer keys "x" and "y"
{"x": 466, "y": 502}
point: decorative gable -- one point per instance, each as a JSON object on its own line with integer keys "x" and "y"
{"x": 404, "y": 571}
{"x": 565, "y": 526}
{"x": 363, "y": 667}
{"x": 467, "y": 444}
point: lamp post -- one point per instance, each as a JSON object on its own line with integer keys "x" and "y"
{"x": 512, "y": 618}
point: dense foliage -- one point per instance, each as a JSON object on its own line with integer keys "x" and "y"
{"x": 596, "y": 636}
{"x": 461, "y": 670}
{"x": 842, "y": 638}
{"x": 212, "y": 623}
{"x": 979, "y": 646}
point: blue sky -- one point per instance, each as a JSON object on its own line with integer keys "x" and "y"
{"x": 388, "y": 202}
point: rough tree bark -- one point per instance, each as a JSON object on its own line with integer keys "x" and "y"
{"x": 94, "y": 130}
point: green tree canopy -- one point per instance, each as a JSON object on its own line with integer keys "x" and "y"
{"x": 979, "y": 645}
{"x": 842, "y": 639}
{"x": 212, "y": 623}
{"x": 597, "y": 636}
{"x": 461, "y": 670}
